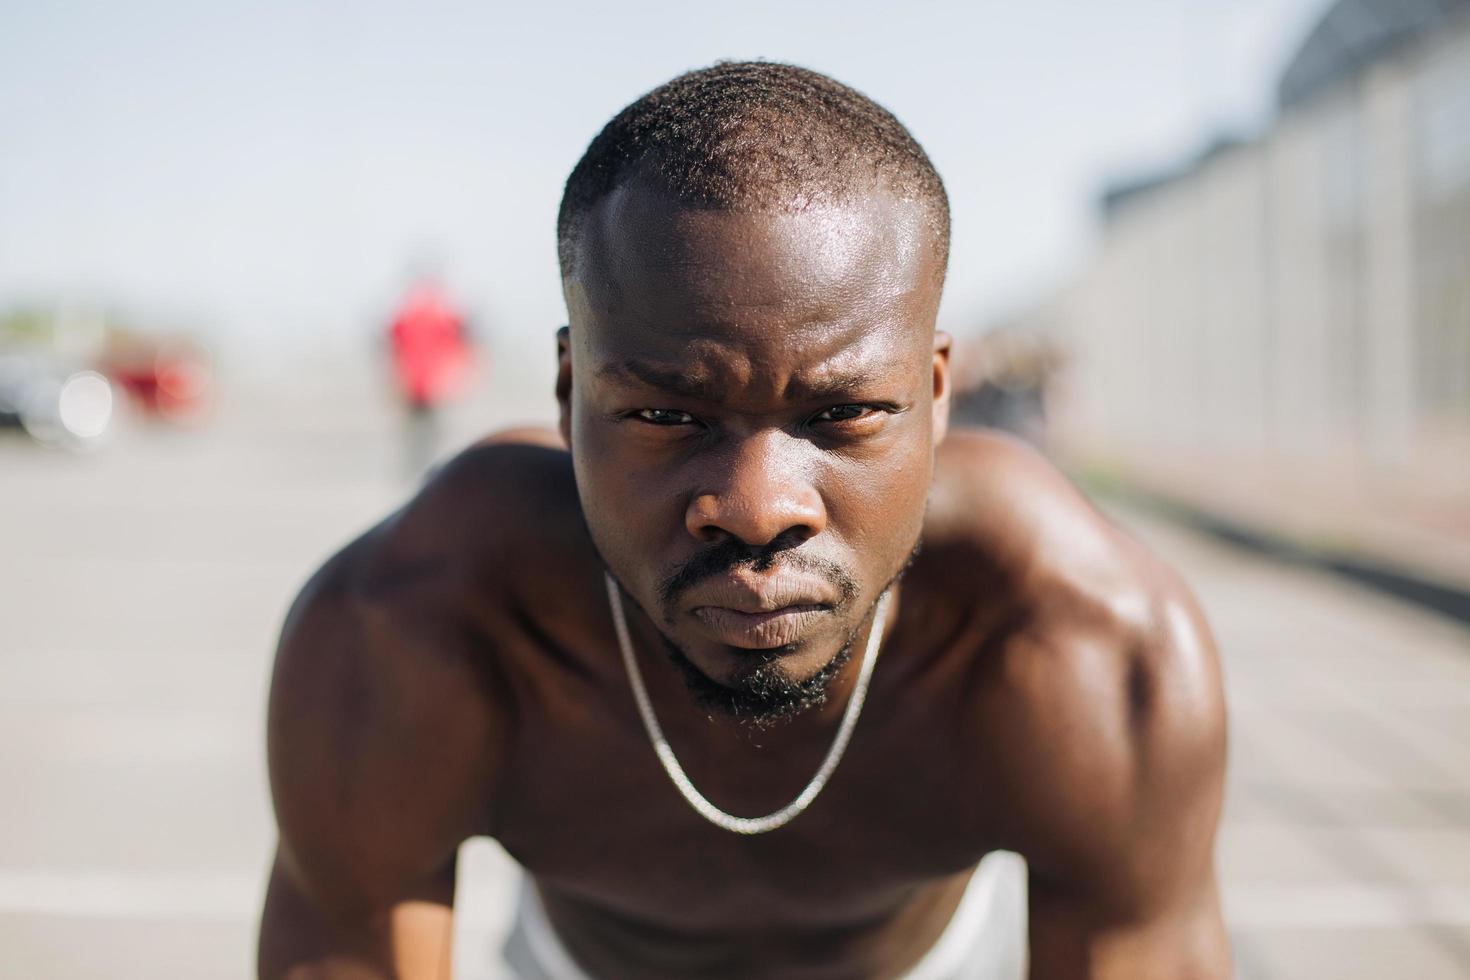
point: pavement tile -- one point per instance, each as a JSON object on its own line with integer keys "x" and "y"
{"x": 1349, "y": 954}
{"x": 1440, "y": 735}
{"x": 1373, "y": 740}
{"x": 43, "y": 948}
{"x": 1426, "y": 809}
{"x": 1282, "y": 750}
{"x": 1246, "y": 803}
{"x": 1275, "y": 853}
{"x": 137, "y": 817}
{"x": 1423, "y": 855}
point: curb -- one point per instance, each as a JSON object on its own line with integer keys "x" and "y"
{"x": 1405, "y": 584}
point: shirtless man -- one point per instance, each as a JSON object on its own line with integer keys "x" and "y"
{"x": 753, "y": 398}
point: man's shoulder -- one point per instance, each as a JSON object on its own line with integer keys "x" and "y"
{"x": 1109, "y": 698}
{"x": 386, "y": 701}
{"x": 1008, "y": 522}
{"x": 494, "y": 513}
{"x": 1101, "y": 675}
{"x": 426, "y": 584}
{"x": 999, "y": 499}
{"x": 493, "y": 507}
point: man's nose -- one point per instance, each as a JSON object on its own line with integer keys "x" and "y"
{"x": 758, "y": 492}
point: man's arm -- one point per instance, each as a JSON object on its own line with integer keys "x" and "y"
{"x": 381, "y": 747}
{"x": 1100, "y": 715}
{"x": 1123, "y": 883}
{"x": 301, "y": 940}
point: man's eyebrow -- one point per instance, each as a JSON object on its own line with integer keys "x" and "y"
{"x": 831, "y": 384}
{"x": 675, "y": 380}
{"x": 680, "y": 381}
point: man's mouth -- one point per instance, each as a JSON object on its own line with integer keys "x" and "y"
{"x": 761, "y": 610}
{"x": 762, "y": 629}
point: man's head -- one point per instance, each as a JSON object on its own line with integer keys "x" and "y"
{"x": 751, "y": 383}
{"x": 753, "y": 136}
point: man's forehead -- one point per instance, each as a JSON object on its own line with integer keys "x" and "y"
{"x": 644, "y": 251}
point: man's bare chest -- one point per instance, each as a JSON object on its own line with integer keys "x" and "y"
{"x": 584, "y": 805}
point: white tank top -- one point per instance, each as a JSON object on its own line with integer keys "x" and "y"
{"x": 985, "y": 939}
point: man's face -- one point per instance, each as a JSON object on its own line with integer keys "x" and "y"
{"x": 752, "y": 402}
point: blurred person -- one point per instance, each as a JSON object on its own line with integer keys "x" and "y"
{"x": 431, "y": 357}
{"x": 602, "y": 644}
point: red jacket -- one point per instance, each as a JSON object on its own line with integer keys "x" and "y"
{"x": 430, "y": 352}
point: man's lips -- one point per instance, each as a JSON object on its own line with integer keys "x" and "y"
{"x": 743, "y": 608}
{"x": 764, "y": 629}
{"x": 750, "y": 592}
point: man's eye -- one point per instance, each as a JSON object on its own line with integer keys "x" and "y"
{"x": 844, "y": 413}
{"x": 663, "y": 416}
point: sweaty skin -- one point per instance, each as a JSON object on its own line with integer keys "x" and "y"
{"x": 771, "y": 382}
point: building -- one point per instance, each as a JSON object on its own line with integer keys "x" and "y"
{"x": 1302, "y": 297}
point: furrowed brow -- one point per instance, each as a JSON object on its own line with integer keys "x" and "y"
{"x": 673, "y": 380}
{"x": 830, "y": 384}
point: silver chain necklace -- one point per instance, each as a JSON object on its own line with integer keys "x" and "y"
{"x": 665, "y": 752}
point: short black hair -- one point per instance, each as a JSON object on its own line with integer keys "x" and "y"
{"x": 752, "y": 135}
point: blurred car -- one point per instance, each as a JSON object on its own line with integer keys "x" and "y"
{"x": 55, "y": 404}
{"x": 169, "y": 379}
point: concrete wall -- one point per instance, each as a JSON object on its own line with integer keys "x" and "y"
{"x": 1304, "y": 295}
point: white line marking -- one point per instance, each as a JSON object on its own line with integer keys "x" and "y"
{"x": 1346, "y": 906}
{"x": 115, "y": 735}
{"x": 177, "y": 896}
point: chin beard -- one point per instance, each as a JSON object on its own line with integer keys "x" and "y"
{"x": 762, "y": 695}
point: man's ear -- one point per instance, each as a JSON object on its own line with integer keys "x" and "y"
{"x": 564, "y": 383}
{"x": 942, "y": 386}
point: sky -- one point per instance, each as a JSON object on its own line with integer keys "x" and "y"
{"x": 267, "y": 173}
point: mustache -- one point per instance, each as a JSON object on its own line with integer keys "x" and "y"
{"x": 732, "y": 553}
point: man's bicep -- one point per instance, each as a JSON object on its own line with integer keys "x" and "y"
{"x": 1125, "y": 886}
{"x": 380, "y": 744}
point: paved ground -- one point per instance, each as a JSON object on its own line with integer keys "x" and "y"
{"x": 140, "y": 591}
{"x": 1415, "y": 519}
{"x": 1346, "y": 846}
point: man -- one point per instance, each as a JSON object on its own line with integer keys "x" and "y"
{"x": 431, "y": 357}
{"x": 728, "y": 557}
